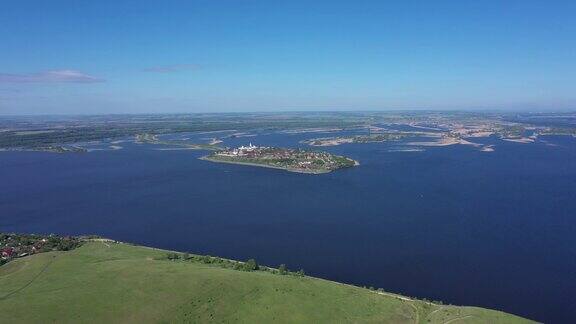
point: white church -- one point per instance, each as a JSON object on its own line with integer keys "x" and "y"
{"x": 240, "y": 150}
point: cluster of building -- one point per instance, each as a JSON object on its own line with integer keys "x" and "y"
{"x": 10, "y": 252}
{"x": 243, "y": 151}
{"x": 284, "y": 158}
{"x": 18, "y": 245}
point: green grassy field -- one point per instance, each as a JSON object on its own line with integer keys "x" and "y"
{"x": 113, "y": 282}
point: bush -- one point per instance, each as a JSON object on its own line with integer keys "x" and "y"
{"x": 172, "y": 256}
{"x": 282, "y": 269}
{"x": 66, "y": 245}
{"x": 206, "y": 259}
{"x": 250, "y": 265}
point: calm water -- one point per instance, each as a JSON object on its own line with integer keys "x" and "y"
{"x": 454, "y": 224}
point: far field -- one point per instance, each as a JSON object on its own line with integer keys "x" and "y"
{"x": 103, "y": 282}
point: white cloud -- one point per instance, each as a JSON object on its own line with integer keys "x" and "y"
{"x": 53, "y": 76}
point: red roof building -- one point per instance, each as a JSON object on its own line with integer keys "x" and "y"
{"x": 7, "y": 252}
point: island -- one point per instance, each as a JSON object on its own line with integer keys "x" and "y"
{"x": 49, "y": 148}
{"x": 289, "y": 159}
{"x": 359, "y": 139}
{"x": 153, "y": 139}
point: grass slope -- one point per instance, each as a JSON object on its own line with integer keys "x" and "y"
{"x": 106, "y": 282}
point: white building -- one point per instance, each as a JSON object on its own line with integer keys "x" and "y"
{"x": 247, "y": 148}
{"x": 240, "y": 150}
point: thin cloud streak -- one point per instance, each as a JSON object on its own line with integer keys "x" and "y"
{"x": 172, "y": 68}
{"x": 53, "y": 76}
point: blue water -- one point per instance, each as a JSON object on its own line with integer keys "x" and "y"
{"x": 495, "y": 229}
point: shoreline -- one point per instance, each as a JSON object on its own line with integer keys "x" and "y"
{"x": 206, "y": 158}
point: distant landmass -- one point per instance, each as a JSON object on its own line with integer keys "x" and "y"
{"x": 74, "y": 134}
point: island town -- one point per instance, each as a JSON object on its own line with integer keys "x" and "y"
{"x": 289, "y": 159}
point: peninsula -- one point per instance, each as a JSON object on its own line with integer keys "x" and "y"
{"x": 293, "y": 160}
{"x": 126, "y": 283}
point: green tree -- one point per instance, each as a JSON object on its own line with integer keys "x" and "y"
{"x": 172, "y": 256}
{"x": 251, "y": 265}
{"x": 207, "y": 259}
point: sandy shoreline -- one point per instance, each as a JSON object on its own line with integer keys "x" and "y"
{"x": 206, "y": 158}
{"x": 332, "y": 142}
{"x": 446, "y": 141}
{"x": 523, "y": 140}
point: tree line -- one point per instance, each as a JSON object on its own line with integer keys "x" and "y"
{"x": 249, "y": 265}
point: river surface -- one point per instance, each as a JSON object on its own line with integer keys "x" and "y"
{"x": 491, "y": 229}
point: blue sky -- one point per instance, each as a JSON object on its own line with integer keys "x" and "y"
{"x": 86, "y": 57}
